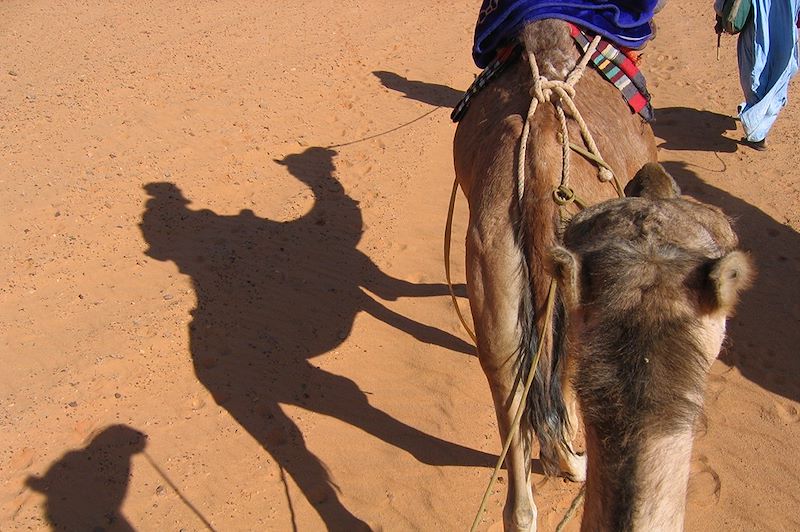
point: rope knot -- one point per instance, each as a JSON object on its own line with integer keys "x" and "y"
{"x": 540, "y": 90}
{"x": 564, "y": 89}
{"x": 543, "y": 90}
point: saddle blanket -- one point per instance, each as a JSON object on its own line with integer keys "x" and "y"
{"x": 620, "y": 70}
{"x": 625, "y": 23}
{"x": 612, "y": 63}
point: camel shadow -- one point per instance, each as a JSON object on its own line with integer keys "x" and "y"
{"x": 683, "y": 128}
{"x": 85, "y": 488}
{"x": 765, "y": 332}
{"x": 270, "y": 296}
{"x": 430, "y": 93}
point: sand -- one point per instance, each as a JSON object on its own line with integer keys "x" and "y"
{"x": 190, "y": 340}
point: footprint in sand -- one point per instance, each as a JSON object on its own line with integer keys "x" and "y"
{"x": 717, "y": 381}
{"x": 785, "y": 413}
{"x": 704, "y": 483}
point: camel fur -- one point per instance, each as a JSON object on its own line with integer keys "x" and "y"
{"x": 514, "y": 247}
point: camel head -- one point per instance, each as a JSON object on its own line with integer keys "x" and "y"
{"x": 648, "y": 282}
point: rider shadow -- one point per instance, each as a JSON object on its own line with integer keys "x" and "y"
{"x": 85, "y": 488}
{"x": 270, "y": 296}
{"x": 683, "y": 128}
{"x": 430, "y": 93}
{"x": 764, "y": 333}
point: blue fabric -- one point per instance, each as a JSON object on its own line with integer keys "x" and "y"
{"x": 626, "y": 23}
{"x": 767, "y": 51}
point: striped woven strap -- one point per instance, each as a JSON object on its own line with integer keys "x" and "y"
{"x": 504, "y": 58}
{"x": 619, "y": 70}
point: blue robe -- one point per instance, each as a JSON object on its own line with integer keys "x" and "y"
{"x": 768, "y": 59}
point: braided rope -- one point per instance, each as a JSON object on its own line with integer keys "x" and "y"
{"x": 560, "y": 94}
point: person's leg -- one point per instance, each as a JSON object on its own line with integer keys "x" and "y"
{"x": 767, "y": 55}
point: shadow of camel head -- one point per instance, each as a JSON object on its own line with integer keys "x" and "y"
{"x": 315, "y": 168}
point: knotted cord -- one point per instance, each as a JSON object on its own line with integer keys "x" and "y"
{"x": 544, "y": 90}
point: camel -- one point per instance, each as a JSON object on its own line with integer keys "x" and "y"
{"x": 645, "y": 285}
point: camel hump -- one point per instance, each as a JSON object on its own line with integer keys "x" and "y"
{"x": 652, "y": 181}
{"x": 552, "y": 45}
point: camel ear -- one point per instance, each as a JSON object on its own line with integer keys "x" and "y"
{"x": 652, "y": 181}
{"x": 728, "y": 276}
{"x": 565, "y": 268}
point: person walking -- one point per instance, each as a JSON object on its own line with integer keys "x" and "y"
{"x": 768, "y": 58}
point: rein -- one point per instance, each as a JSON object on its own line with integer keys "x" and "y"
{"x": 559, "y": 93}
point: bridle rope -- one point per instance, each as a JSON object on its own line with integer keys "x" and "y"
{"x": 544, "y": 90}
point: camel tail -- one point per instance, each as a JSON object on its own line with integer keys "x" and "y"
{"x": 546, "y": 411}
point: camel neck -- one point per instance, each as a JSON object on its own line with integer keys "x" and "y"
{"x": 649, "y": 491}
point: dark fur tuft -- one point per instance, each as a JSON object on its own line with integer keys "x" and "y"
{"x": 546, "y": 413}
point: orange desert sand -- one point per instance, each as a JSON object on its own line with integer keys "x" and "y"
{"x": 222, "y": 280}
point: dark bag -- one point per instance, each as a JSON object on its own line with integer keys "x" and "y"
{"x": 734, "y": 16}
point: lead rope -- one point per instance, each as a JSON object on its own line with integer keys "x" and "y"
{"x": 542, "y": 91}
{"x": 448, "y": 232}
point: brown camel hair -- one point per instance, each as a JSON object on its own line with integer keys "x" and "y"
{"x": 649, "y": 282}
{"x": 509, "y": 243}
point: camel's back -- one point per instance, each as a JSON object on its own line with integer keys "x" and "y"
{"x": 487, "y": 138}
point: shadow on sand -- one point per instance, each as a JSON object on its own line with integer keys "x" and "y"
{"x": 765, "y": 332}
{"x": 683, "y": 128}
{"x": 270, "y": 296}
{"x": 85, "y": 488}
{"x": 430, "y": 93}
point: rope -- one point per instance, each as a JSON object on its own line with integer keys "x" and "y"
{"x": 178, "y": 492}
{"x": 573, "y": 507}
{"x": 589, "y": 155}
{"x": 544, "y": 90}
{"x": 448, "y": 231}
